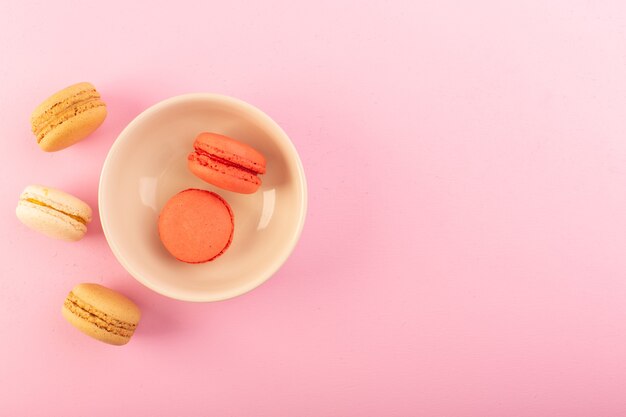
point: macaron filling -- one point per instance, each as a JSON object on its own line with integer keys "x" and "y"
{"x": 97, "y": 317}
{"x": 201, "y": 156}
{"x": 41, "y": 203}
{"x": 234, "y": 158}
{"x": 61, "y": 106}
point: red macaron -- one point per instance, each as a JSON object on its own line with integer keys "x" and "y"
{"x": 226, "y": 163}
{"x": 196, "y": 226}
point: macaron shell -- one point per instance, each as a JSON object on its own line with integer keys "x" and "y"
{"x": 231, "y": 150}
{"x": 112, "y": 302}
{"x": 90, "y": 329}
{"x": 73, "y": 130}
{"x": 49, "y": 222}
{"x": 221, "y": 175}
{"x": 196, "y": 226}
{"x": 60, "y": 96}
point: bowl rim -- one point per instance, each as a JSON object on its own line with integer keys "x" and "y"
{"x": 277, "y": 132}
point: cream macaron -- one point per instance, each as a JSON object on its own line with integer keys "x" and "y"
{"x": 101, "y": 313}
{"x": 53, "y": 212}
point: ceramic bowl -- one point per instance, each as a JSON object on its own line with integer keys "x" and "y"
{"x": 147, "y": 165}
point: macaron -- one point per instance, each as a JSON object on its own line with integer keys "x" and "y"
{"x": 101, "y": 313}
{"x": 226, "y": 163}
{"x": 53, "y": 212}
{"x": 68, "y": 116}
{"x": 196, "y": 226}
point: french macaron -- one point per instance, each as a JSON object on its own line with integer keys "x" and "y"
{"x": 196, "y": 226}
{"x": 226, "y": 163}
{"x": 68, "y": 116}
{"x": 101, "y": 313}
{"x": 53, "y": 212}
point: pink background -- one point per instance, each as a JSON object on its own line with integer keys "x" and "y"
{"x": 464, "y": 252}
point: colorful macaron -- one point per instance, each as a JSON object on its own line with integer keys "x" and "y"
{"x": 101, "y": 313}
{"x": 196, "y": 226}
{"x": 53, "y": 212}
{"x": 226, "y": 163}
{"x": 68, "y": 116}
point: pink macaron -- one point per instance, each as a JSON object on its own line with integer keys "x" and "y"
{"x": 226, "y": 163}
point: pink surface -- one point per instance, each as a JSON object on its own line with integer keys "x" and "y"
{"x": 464, "y": 253}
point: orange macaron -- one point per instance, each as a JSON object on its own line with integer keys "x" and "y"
{"x": 196, "y": 226}
{"x": 226, "y": 163}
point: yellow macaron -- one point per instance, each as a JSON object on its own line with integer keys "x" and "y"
{"x": 68, "y": 116}
{"x": 101, "y": 313}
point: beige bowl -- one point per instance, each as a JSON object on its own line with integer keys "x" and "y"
{"x": 147, "y": 165}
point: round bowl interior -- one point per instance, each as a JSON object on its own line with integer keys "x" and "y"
{"x": 147, "y": 165}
